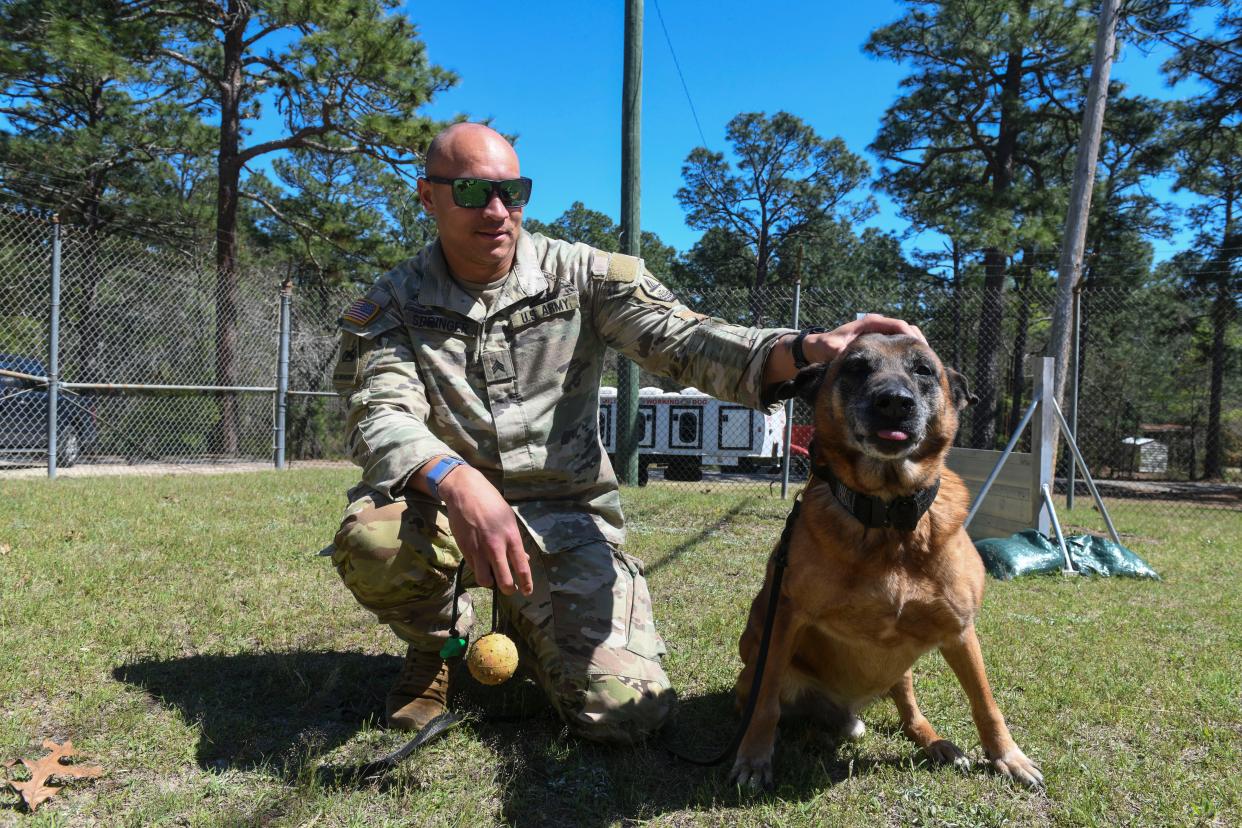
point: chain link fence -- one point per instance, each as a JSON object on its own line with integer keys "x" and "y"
{"x": 139, "y": 367}
{"x": 1144, "y": 388}
{"x": 136, "y": 345}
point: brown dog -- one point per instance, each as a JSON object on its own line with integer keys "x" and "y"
{"x": 880, "y": 569}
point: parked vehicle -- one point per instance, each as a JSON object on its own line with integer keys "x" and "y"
{"x": 24, "y": 416}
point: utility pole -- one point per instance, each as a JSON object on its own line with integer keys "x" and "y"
{"x": 631, "y": 234}
{"x": 1070, "y": 267}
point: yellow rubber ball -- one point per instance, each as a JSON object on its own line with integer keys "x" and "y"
{"x": 493, "y": 658}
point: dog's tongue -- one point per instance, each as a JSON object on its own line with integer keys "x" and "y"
{"x": 889, "y": 434}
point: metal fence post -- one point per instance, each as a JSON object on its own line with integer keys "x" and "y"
{"x": 1043, "y": 431}
{"x": 53, "y": 352}
{"x": 789, "y": 404}
{"x": 282, "y": 370}
{"x": 1075, "y": 344}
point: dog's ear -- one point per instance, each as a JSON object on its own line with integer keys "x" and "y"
{"x": 804, "y": 386}
{"x": 960, "y": 389}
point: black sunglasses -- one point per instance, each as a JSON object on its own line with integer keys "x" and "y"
{"x": 477, "y": 192}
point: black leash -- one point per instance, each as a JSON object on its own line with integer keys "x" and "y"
{"x": 431, "y": 731}
{"x": 454, "y": 647}
{"x": 780, "y": 560}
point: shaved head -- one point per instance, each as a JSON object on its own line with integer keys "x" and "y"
{"x": 478, "y": 242}
{"x": 456, "y": 146}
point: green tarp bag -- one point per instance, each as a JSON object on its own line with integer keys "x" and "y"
{"x": 1029, "y": 553}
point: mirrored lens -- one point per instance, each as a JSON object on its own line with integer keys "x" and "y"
{"x": 515, "y": 192}
{"x": 471, "y": 192}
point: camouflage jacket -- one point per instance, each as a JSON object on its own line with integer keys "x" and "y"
{"x": 514, "y": 390}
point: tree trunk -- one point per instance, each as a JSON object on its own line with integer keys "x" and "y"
{"x": 89, "y": 343}
{"x": 227, "y": 199}
{"x": 956, "y": 358}
{"x": 987, "y": 351}
{"x": 761, "y": 277}
{"x": 991, "y": 314}
{"x": 1222, "y": 307}
{"x": 1017, "y": 380}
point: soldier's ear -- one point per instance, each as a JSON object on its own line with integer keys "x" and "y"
{"x": 960, "y": 389}
{"x": 804, "y": 386}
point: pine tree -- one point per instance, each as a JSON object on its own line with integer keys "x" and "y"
{"x": 987, "y": 77}
{"x": 339, "y": 77}
{"x": 788, "y": 179}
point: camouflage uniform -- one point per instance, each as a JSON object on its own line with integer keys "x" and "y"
{"x": 514, "y": 391}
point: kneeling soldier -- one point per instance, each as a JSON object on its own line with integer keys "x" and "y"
{"x": 472, "y": 374}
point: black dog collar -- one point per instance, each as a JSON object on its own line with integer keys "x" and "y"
{"x": 902, "y": 513}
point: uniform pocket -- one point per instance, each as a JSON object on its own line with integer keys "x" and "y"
{"x": 641, "y": 636}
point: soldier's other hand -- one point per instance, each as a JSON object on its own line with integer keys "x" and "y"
{"x": 486, "y": 532}
{"x": 825, "y": 347}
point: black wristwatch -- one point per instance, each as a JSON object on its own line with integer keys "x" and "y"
{"x": 799, "y": 358}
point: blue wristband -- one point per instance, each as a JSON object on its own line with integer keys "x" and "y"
{"x": 439, "y": 471}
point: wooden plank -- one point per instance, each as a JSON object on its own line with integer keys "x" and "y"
{"x": 1005, "y": 508}
{"x": 1009, "y": 504}
{"x": 978, "y": 464}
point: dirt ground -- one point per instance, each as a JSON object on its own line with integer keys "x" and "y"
{"x": 11, "y": 471}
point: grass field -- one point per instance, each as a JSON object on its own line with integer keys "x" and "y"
{"x": 183, "y": 633}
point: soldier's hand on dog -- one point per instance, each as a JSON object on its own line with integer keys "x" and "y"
{"x": 486, "y": 531}
{"x": 824, "y": 347}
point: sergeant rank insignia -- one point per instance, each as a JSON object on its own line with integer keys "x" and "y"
{"x": 360, "y": 312}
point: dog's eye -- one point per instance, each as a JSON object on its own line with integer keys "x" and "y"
{"x": 854, "y": 366}
{"x": 923, "y": 370}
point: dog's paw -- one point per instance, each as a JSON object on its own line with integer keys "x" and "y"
{"x": 944, "y": 752}
{"x": 1015, "y": 765}
{"x": 753, "y": 773}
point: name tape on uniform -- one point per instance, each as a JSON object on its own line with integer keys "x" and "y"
{"x": 424, "y": 318}
{"x": 523, "y": 318}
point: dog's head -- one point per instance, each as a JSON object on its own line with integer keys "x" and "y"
{"x": 887, "y": 397}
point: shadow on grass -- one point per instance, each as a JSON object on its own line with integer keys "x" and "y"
{"x": 268, "y": 709}
{"x": 273, "y": 711}
{"x": 559, "y": 780}
{"x": 690, "y": 543}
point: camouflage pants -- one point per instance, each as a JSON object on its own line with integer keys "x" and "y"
{"x": 586, "y": 631}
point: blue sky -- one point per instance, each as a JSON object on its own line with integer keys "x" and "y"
{"x": 550, "y": 72}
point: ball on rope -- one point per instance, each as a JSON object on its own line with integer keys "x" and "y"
{"x": 493, "y": 658}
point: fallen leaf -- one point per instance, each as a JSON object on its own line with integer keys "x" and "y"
{"x": 35, "y": 790}
{"x": 5, "y": 549}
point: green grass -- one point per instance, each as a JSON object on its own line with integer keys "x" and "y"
{"x": 184, "y": 634}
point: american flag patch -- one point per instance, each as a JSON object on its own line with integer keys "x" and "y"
{"x": 360, "y": 312}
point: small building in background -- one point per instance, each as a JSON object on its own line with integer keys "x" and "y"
{"x": 1146, "y": 455}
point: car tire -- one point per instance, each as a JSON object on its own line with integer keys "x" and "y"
{"x": 685, "y": 469}
{"x": 68, "y": 449}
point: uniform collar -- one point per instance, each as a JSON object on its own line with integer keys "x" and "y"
{"x": 440, "y": 290}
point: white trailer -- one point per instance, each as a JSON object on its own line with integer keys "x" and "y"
{"x": 688, "y": 429}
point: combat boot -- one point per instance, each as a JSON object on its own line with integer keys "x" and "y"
{"x": 420, "y": 692}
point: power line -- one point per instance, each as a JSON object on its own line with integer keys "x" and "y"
{"x": 677, "y": 65}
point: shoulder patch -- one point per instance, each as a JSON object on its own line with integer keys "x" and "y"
{"x": 360, "y": 312}
{"x": 651, "y": 292}
{"x": 622, "y": 268}
{"x": 599, "y": 263}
